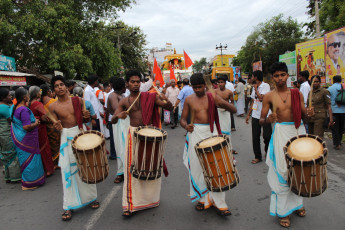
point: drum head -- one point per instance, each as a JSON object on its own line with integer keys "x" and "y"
{"x": 148, "y": 132}
{"x": 305, "y": 148}
{"x": 211, "y": 142}
{"x": 88, "y": 141}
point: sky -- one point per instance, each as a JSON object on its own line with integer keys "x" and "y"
{"x": 197, "y": 26}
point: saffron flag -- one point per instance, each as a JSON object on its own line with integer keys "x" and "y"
{"x": 157, "y": 72}
{"x": 187, "y": 61}
{"x": 172, "y": 74}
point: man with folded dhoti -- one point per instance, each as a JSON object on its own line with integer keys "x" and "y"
{"x": 288, "y": 109}
{"x": 202, "y": 108}
{"x": 142, "y": 109}
{"x": 120, "y": 129}
{"x": 69, "y": 117}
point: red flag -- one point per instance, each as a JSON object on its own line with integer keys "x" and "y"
{"x": 187, "y": 61}
{"x": 157, "y": 72}
{"x": 172, "y": 74}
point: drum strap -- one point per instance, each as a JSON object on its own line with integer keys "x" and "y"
{"x": 77, "y": 111}
{"x": 213, "y": 114}
{"x": 296, "y": 107}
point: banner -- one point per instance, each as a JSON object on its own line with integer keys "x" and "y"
{"x": 12, "y": 81}
{"x": 290, "y": 60}
{"x": 7, "y": 63}
{"x": 257, "y": 66}
{"x": 237, "y": 72}
{"x": 335, "y": 54}
{"x": 310, "y": 56}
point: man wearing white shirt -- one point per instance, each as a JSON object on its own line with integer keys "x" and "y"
{"x": 109, "y": 125}
{"x": 90, "y": 95}
{"x": 305, "y": 87}
{"x": 260, "y": 88}
{"x": 230, "y": 86}
{"x": 172, "y": 93}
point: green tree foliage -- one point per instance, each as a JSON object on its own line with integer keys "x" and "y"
{"x": 67, "y": 35}
{"x": 268, "y": 41}
{"x": 198, "y": 65}
{"x": 331, "y": 14}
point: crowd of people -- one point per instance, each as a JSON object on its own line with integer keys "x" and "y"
{"x": 39, "y": 123}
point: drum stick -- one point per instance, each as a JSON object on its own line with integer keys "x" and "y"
{"x": 159, "y": 93}
{"x": 310, "y": 93}
{"x": 130, "y": 107}
{"x": 50, "y": 116}
{"x": 192, "y": 117}
{"x": 84, "y": 100}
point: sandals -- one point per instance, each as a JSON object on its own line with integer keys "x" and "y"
{"x": 127, "y": 214}
{"x": 285, "y": 222}
{"x": 301, "y": 212}
{"x": 119, "y": 179}
{"x": 223, "y": 212}
{"x": 234, "y": 152}
{"x": 200, "y": 207}
{"x": 94, "y": 205}
{"x": 67, "y": 215}
{"x": 255, "y": 161}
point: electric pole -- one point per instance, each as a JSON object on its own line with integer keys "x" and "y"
{"x": 317, "y": 19}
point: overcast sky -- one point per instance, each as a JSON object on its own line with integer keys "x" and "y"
{"x": 197, "y": 26}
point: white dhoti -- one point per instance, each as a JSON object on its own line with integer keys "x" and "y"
{"x": 240, "y": 106}
{"x": 120, "y": 131}
{"x": 76, "y": 193}
{"x": 283, "y": 201}
{"x": 224, "y": 121}
{"x": 198, "y": 189}
{"x": 138, "y": 194}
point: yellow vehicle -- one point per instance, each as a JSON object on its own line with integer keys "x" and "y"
{"x": 228, "y": 71}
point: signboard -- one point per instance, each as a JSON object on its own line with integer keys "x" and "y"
{"x": 257, "y": 66}
{"x": 335, "y": 54}
{"x": 310, "y": 56}
{"x": 12, "y": 81}
{"x": 237, "y": 72}
{"x": 290, "y": 60}
{"x": 7, "y": 63}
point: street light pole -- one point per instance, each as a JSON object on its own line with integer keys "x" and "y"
{"x": 221, "y": 47}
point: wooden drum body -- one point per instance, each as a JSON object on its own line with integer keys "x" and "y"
{"x": 149, "y": 147}
{"x": 306, "y": 157}
{"x": 217, "y": 163}
{"x": 91, "y": 155}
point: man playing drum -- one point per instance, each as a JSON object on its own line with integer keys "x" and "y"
{"x": 119, "y": 129}
{"x": 68, "y": 115}
{"x": 288, "y": 109}
{"x": 139, "y": 194}
{"x": 202, "y": 107}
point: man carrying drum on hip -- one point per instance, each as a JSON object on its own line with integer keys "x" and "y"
{"x": 139, "y": 194}
{"x": 68, "y": 117}
{"x": 288, "y": 110}
{"x": 202, "y": 108}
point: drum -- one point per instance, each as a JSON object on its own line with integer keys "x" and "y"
{"x": 91, "y": 155}
{"x": 148, "y": 147}
{"x": 217, "y": 163}
{"x": 306, "y": 157}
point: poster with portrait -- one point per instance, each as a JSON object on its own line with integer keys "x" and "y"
{"x": 237, "y": 72}
{"x": 335, "y": 54}
{"x": 290, "y": 60}
{"x": 257, "y": 66}
{"x": 310, "y": 56}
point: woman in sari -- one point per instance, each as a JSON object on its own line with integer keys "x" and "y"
{"x": 39, "y": 111}
{"x": 8, "y": 155}
{"x": 24, "y": 131}
{"x": 53, "y": 135}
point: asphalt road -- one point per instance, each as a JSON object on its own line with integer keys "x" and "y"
{"x": 248, "y": 202}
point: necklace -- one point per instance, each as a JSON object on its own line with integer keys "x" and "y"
{"x": 285, "y": 97}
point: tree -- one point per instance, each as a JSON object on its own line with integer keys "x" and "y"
{"x": 268, "y": 41}
{"x": 68, "y": 35}
{"x": 331, "y": 14}
{"x": 198, "y": 65}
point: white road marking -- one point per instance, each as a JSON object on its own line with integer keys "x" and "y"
{"x": 104, "y": 204}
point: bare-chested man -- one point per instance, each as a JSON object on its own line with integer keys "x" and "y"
{"x": 284, "y": 102}
{"x": 202, "y": 107}
{"x": 119, "y": 129}
{"x": 69, "y": 115}
{"x": 139, "y": 194}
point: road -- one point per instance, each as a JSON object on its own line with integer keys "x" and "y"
{"x": 248, "y": 202}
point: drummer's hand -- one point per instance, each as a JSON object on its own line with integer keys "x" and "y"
{"x": 163, "y": 97}
{"x": 122, "y": 115}
{"x": 272, "y": 118}
{"x": 331, "y": 123}
{"x": 57, "y": 125}
{"x": 190, "y": 128}
{"x": 86, "y": 114}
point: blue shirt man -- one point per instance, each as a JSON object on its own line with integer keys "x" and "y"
{"x": 184, "y": 93}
